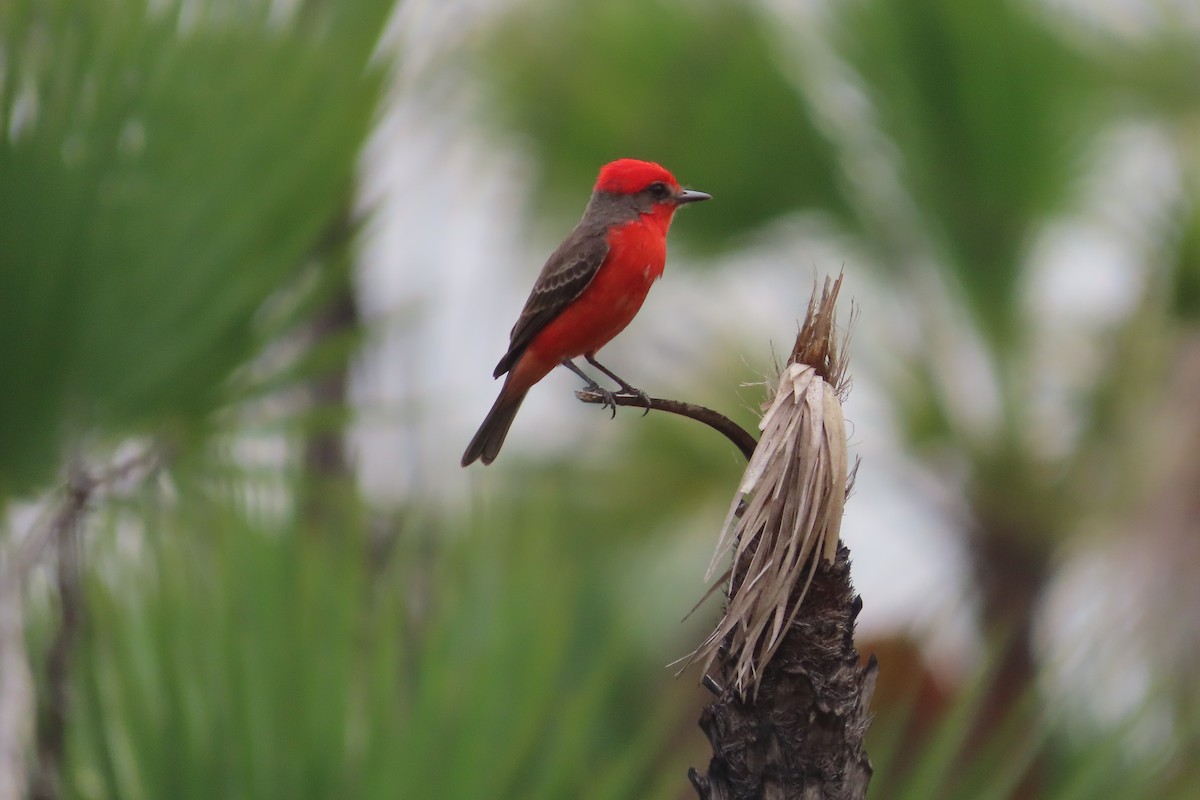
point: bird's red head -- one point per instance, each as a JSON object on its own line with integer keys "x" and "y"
{"x": 630, "y": 176}
{"x": 644, "y": 186}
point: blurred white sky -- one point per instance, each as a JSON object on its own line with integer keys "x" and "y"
{"x": 451, "y": 255}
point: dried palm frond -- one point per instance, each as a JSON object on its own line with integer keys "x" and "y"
{"x": 786, "y": 515}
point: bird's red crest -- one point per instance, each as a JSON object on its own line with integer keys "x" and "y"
{"x": 630, "y": 176}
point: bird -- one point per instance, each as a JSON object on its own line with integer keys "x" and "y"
{"x": 588, "y": 291}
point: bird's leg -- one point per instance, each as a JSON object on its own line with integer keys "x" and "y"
{"x": 625, "y": 387}
{"x": 592, "y": 386}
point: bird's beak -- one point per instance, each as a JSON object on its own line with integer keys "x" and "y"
{"x": 689, "y": 196}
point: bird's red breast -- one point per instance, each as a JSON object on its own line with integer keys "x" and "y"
{"x": 636, "y": 257}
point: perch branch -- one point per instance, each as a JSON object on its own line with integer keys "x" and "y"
{"x": 741, "y": 438}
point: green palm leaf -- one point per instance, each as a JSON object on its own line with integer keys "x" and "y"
{"x": 165, "y": 171}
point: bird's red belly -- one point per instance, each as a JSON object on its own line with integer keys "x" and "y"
{"x": 607, "y": 305}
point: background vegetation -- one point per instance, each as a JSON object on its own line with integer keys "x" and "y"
{"x": 200, "y": 592}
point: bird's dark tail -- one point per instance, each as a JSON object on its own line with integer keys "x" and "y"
{"x": 490, "y": 436}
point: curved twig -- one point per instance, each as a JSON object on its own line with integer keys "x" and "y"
{"x": 741, "y": 438}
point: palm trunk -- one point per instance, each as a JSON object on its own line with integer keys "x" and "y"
{"x": 802, "y": 735}
{"x": 792, "y": 696}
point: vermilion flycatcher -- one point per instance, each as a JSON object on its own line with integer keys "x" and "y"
{"x": 589, "y": 290}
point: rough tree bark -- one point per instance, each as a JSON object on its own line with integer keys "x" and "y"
{"x": 802, "y": 735}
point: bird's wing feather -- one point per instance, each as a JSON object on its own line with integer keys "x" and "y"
{"x": 565, "y": 275}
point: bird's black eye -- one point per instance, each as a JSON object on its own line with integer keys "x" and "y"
{"x": 659, "y": 190}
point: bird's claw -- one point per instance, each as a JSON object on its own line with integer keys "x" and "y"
{"x": 607, "y": 398}
{"x": 642, "y": 398}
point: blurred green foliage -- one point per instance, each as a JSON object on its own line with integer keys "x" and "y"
{"x": 692, "y": 85}
{"x": 990, "y": 114}
{"x": 960, "y": 750}
{"x": 166, "y": 168}
{"x": 1185, "y": 291}
{"x": 259, "y": 660}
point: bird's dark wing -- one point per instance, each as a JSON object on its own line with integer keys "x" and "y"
{"x": 566, "y": 274}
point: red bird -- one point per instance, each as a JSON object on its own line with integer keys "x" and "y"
{"x": 589, "y": 290}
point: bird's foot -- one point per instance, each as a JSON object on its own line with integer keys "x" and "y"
{"x": 642, "y": 398}
{"x": 608, "y": 399}
{"x": 626, "y": 390}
